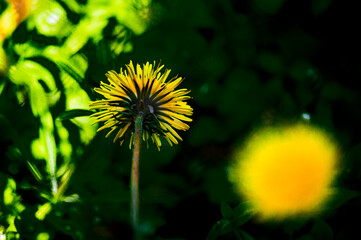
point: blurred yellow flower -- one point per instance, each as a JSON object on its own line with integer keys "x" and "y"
{"x": 17, "y": 11}
{"x": 286, "y": 171}
{"x": 143, "y": 92}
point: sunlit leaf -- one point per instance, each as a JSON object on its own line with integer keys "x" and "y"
{"x": 72, "y": 72}
{"x": 8, "y": 192}
{"x": 77, "y": 98}
{"x": 43, "y": 211}
{"x": 74, "y": 113}
{"x": 74, "y": 6}
{"x": 134, "y": 19}
{"x": 88, "y": 28}
{"x": 2, "y": 86}
{"x": 43, "y": 236}
{"x": 65, "y": 147}
{"x": 35, "y": 171}
{"x": 4, "y": 65}
{"x": 50, "y": 19}
{"x": 29, "y": 73}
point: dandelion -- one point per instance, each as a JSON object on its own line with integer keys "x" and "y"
{"x": 143, "y": 104}
{"x": 286, "y": 171}
{"x": 146, "y": 94}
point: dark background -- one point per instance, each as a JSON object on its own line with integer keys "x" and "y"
{"x": 248, "y": 64}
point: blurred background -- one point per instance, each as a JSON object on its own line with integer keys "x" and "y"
{"x": 248, "y": 63}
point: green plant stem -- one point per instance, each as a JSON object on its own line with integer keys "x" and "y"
{"x": 54, "y": 184}
{"x": 135, "y": 175}
{"x": 64, "y": 184}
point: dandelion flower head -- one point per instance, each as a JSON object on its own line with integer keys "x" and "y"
{"x": 143, "y": 91}
{"x": 286, "y": 171}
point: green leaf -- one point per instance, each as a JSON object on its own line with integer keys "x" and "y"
{"x": 43, "y": 211}
{"x": 242, "y": 213}
{"x": 242, "y": 219}
{"x": 241, "y": 208}
{"x": 35, "y": 171}
{"x": 226, "y": 211}
{"x": 222, "y": 227}
{"x": 51, "y": 20}
{"x": 232, "y": 219}
{"x": 72, "y": 72}
{"x": 74, "y": 113}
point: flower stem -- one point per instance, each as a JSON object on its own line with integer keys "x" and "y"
{"x": 135, "y": 175}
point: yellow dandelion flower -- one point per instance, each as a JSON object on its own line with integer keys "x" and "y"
{"x": 286, "y": 171}
{"x": 143, "y": 92}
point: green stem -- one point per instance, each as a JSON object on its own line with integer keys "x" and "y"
{"x": 135, "y": 175}
{"x": 64, "y": 184}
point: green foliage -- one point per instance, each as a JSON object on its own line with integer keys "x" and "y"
{"x": 248, "y": 63}
{"x": 232, "y": 220}
{"x": 45, "y": 70}
{"x": 74, "y": 113}
{"x": 10, "y": 206}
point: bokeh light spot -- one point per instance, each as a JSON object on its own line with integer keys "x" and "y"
{"x": 286, "y": 171}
